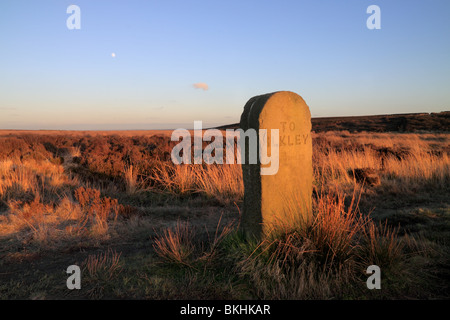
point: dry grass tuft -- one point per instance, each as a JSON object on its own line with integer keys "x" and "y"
{"x": 101, "y": 270}
{"x": 104, "y": 265}
{"x": 381, "y": 246}
{"x": 176, "y": 245}
{"x": 221, "y": 182}
{"x": 130, "y": 175}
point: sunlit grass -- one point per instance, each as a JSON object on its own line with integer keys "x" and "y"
{"x": 42, "y": 204}
{"x": 221, "y": 182}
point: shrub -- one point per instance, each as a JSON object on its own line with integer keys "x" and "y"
{"x": 96, "y": 209}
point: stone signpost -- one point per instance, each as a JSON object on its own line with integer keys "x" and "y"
{"x": 283, "y": 197}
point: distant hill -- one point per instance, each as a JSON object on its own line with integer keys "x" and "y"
{"x": 405, "y": 122}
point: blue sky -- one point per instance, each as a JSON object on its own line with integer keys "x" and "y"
{"x": 55, "y": 78}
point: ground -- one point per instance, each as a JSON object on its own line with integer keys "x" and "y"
{"x": 141, "y": 228}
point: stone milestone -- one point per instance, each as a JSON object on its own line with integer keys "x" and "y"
{"x": 284, "y": 197}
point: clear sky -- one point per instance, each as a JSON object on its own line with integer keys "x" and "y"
{"x": 165, "y": 63}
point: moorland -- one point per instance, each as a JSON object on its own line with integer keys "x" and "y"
{"x": 141, "y": 227}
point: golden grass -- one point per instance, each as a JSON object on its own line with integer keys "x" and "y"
{"x": 38, "y": 195}
{"x": 42, "y": 203}
{"x": 419, "y": 167}
{"x": 130, "y": 174}
{"x": 318, "y": 260}
{"x": 222, "y": 182}
{"x": 381, "y": 246}
{"x": 30, "y": 175}
{"x": 175, "y": 179}
{"x": 177, "y": 245}
{"x": 107, "y": 264}
{"x": 410, "y": 141}
{"x": 101, "y": 270}
{"x": 411, "y": 162}
{"x": 332, "y": 231}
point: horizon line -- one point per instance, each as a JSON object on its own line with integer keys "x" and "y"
{"x": 216, "y": 126}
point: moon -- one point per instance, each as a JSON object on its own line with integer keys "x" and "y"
{"x": 113, "y": 55}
